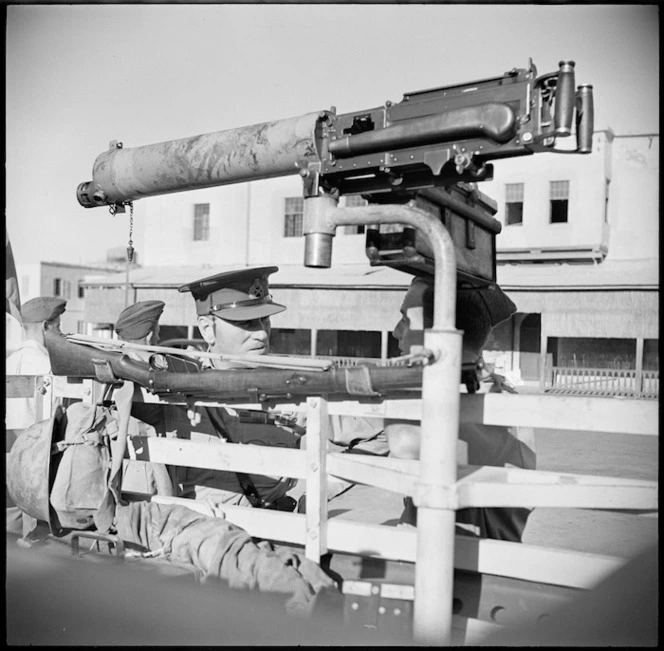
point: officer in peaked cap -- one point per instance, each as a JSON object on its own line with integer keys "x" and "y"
{"x": 233, "y": 310}
{"x": 137, "y": 321}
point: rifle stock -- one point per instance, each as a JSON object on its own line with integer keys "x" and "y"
{"x": 244, "y": 385}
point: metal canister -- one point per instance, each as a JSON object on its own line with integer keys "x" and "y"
{"x": 585, "y": 117}
{"x": 564, "y": 106}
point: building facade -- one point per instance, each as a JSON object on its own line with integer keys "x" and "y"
{"x": 60, "y": 280}
{"x": 578, "y": 254}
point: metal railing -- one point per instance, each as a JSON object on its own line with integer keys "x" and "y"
{"x": 602, "y": 382}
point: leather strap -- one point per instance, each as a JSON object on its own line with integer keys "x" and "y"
{"x": 246, "y": 484}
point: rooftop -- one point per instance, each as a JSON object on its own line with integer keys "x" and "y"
{"x": 610, "y": 274}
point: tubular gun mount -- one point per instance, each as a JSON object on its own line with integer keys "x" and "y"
{"x": 441, "y": 140}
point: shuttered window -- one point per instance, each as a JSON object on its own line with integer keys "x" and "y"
{"x": 293, "y": 211}
{"x": 201, "y": 222}
{"x": 559, "y": 200}
{"x": 513, "y": 203}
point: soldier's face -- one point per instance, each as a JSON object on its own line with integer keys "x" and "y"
{"x": 409, "y": 331}
{"x": 236, "y": 337}
{"x": 53, "y": 325}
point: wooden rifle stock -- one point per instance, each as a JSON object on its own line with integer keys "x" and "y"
{"x": 250, "y": 385}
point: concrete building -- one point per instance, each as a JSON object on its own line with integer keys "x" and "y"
{"x": 55, "y": 279}
{"x": 578, "y": 253}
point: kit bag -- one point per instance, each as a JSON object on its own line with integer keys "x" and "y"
{"x": 80, "y": 494}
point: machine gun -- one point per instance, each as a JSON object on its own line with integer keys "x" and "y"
{"x": 431, "y": 147}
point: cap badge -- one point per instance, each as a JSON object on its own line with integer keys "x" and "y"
{"x": 257, "y": 288}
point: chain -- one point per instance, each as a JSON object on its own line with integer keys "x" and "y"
{"x": 130, "y": 248}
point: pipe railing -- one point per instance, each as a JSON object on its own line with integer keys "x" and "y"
{"x": 434, "y": 571}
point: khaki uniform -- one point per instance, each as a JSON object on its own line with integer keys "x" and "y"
{"x": 215, "y": 485}
{"x": 31, "y": 358}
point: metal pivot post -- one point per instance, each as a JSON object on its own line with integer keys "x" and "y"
{"x": 318, "y": 231}
{"x": 436, "y": 496}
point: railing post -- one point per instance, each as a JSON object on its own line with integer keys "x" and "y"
{"x": 316, "y": 480}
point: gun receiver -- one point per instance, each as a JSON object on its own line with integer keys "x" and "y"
{"x": 433, "y": 137}
{"x": 449, "y": 134}
{"x": 427, "y": 149}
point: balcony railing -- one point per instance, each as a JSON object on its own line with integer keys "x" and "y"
{"x": 602, "y": 382}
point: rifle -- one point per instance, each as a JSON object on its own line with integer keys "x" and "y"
{"x": 232, "y": 385}
{"x": 245, "y": 361}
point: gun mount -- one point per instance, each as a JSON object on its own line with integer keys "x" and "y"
{"x": 433, "y": 139}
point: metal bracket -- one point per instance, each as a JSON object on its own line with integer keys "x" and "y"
{"x": 436, "y": 496}
{"x": 104, "y": 371}
{"x": 113, "y": 541}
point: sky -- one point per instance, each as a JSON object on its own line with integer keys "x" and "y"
{"x": 79, "y": 76}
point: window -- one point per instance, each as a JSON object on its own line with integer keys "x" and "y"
{"x": 584, "y": 352}
{"x": 513, "y": 203}
{"x": 354, "y": 201}
{"x": 66, "y": 289}
{"x": 81, "y": 291}
{"x": 348, "y": 343}
{"x": 559, "y": 198}
{"x": 57, "y": 287}
{"x": 294, "y": 208}
{"x": 201, "y": 222}
{"x": 651, "y": 354}
{"x": 290, "y": 341}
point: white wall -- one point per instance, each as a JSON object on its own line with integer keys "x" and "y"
{"x": 634, "y": 198}
{"x": 256, "y": 208}
{"x": 586, "y": 175}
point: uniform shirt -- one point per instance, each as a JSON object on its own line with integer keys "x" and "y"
{"x": 222, "y": 486}
{"x": 31, "y": 358}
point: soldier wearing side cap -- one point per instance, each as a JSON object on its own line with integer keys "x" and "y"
{"x": 39, "y": 315}
{"x": 199, "y": 536}
{"x": 138, "y": 324}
